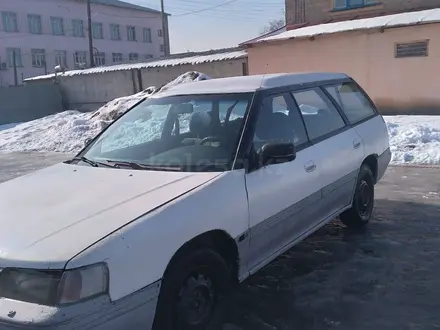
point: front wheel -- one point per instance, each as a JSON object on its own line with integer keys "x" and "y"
{"x": 191, "y": 292}
{"x": 363, "y": 200}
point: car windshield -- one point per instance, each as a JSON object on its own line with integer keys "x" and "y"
{"x": 188, "y": 133}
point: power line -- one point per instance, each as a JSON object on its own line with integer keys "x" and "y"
{"x": 208, "y": 8}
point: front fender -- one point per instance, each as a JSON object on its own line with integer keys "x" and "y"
{"x": 138, "y": 254}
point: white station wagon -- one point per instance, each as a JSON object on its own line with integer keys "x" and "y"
{"x": 189, "y": 192}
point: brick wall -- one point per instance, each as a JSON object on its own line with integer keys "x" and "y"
{"x": 317, "y": 11}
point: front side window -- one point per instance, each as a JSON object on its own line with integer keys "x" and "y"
{"x": 279, "y": 120}
{"x": 57, "y": 26}
{"x": 78, "y": 28}
{"x": 188, "y": 133}
{"x": 319, "y": 114}
{"x": 34, "y": 24}
{"x": 352, "y": 101}
{"x": 10, "y": 23}
{"x": 97, "y": 31}
{"x": 131, "y": 33}
{"x": 18, "y": 59}
{"x": 38, "y": 58}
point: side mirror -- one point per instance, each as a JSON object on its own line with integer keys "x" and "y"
{"x": 276, "y": 153}
{"x": 87, "y": 142}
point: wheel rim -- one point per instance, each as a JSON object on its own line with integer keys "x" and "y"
{"x": 364, "y": 198}
{"x": 196, "y": 300}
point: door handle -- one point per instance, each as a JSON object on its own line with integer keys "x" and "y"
{"x": 356, "y": 144}
{"x": 310, "y": 166}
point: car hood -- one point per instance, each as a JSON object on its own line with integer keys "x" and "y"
{"x": 49, "y": 216}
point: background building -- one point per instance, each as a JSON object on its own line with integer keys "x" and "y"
{"x": 46, "y": 33}
{"x": 324, "y": 11}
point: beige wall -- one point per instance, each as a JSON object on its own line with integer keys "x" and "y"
{"x": 317, "y": 11}
{"x": 404, "y": 83}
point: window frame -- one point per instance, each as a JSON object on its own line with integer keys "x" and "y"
{"x": 97, "y": 27}
{"x": 60, "y": 22}
{"x": 348, "y": 5}
{"x": 129, "y": 29}
{"x": 40, "y": 55}
{"x": 147, "y": 40}
{"x": 116, "y": 55}
{"x": 131, "y": 54}
{"x": 113, "y": 29}
{"x": 35, "y": 21}
{"x": 99, "y": 58}
{"x": 62, "y": 54}
{"x": 9, "y": 17}
{"x": 9, "y": 56}
{"x": 75, "y": 57}
{"x": 329, "y": 101}
{"x": 82, "y": 34}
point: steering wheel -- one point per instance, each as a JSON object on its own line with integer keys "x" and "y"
{"x": 210, "y": 139}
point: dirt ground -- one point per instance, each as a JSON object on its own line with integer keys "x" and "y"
{"x": 383, "y": 277}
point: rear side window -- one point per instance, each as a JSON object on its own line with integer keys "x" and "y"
{"x": 352, "y": 101}
{"x": 320, "y": 115}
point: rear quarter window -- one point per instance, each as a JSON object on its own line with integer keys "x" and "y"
{"x": 352, "y": 100}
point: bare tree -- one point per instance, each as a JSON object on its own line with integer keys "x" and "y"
{"x": 273, "y": 25}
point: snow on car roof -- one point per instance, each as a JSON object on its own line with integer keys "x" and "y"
{"x": 243, "y": 84}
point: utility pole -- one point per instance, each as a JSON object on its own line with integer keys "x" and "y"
{"x": 89, "y": 24}
{"x": 14, "y": 63}
{"x": 164, "y": 28}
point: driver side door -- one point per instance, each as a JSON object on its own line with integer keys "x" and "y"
{"x": 280, "y": 196}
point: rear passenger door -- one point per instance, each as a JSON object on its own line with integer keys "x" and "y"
{"x": 338, "y": 148}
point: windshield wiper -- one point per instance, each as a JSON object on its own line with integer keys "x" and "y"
{"x": 91, "y": 162}
{"x": 139, "y": 166}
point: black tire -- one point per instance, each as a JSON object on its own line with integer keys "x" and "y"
{"x": 363, "y": 201}
{"x": 197, "y": 280}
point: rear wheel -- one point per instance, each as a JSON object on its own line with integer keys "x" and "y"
{"x": 363, "y": 200}
{"x": 192, "y": 291}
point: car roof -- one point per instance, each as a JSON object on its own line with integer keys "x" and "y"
{"x": 243, "y": 84}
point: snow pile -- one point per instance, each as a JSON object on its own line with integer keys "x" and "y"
{"x": 414, "y": 139}
{"x": 67, "y": 131}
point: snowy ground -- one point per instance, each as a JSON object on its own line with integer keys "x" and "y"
{"x": 413, "y": 139}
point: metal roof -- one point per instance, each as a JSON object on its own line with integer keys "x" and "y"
{"x": 123, "y": 4}
{"x": 388, "y": 21}
{"x": 173, "y": 60}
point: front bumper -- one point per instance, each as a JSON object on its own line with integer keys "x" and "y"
{"x": 132, "y": 312}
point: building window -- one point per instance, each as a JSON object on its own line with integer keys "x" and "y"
{"x": 412, "y": 49}
{"x": 147, "y": 35}
{"x": 80, "y": 59}
{"x": 351, "y": 4}
{"x": 115, "y": 32}
{"x": 18, "y": 60}
{"x": 78, "y": 28}
{"x": 133, "y": 56}
{"x": 57, "y": 26}
{"x": 160, "y": 33}
{"x": 148, "y": 56}
{"x": 38, "y": 58}
{"x": 97, "y": 31}
{"x": 117, "y": 57}
{"x": 99, "y": 58}
{"x": 131, "y": 33}
{"x": 10, "y": 23}
{"x": 34, "y": 24}
{"x": 61, "y": 58}
{"x": 162, "y": 48}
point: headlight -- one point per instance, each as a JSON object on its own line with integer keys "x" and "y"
{"x": 53, "y": 287}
